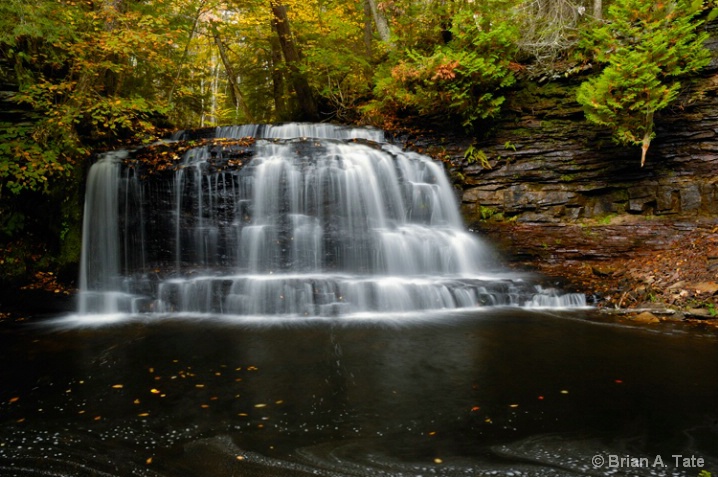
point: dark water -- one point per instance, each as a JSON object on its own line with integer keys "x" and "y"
{"x": 509, "y": 392}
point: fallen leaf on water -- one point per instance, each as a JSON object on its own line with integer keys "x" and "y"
{"x": 155, "y": 391}
{"x": 240, "y": 457}
{"x": 513, "y": 405}
{"x": 14, "y": 399}
{"x": 564, "y": 391}
{"x": 260, "y": 405}
{"x": 143, "y": 414}
{"x": 148, "y": 461}
{"x": 475, "y": 408}
{"x": 438, "y": 461}
{"x": 118, "y": 386}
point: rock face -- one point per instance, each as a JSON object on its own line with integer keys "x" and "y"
{"x": 548, "y": 164}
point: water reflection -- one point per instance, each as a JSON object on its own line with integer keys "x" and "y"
{"x": 504, "y": 392}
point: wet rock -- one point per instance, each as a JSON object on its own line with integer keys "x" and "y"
{"x": 646, "y": 318}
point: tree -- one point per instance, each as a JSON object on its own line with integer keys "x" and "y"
{"x": 290, "y": 52}
{"x": 85, "y": 74}
{"x": 646, "y": 47}
{"x": 382, "y": 27}
{"x": 462, "y": 79}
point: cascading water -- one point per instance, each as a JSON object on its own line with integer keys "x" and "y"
{"x": 311, "y": 225}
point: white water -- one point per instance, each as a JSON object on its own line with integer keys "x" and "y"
{"x": 318, "y": 226}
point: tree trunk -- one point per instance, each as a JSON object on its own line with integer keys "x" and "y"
{"x": 647, "y": 137}
{"x": 305, "y": 98}
{"x": 598, "y": 9}
{"x": 231, "y": 76}
{"x": 382, "y": 27}
{"x": 368, "y": 30}
{"x": 182, "y": 61}
{"x": 278, "y": 84}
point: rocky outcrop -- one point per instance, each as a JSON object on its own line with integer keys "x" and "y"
{"x": 548, "y": 164}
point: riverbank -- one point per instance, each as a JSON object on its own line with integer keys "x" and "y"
{"x": 651, "y": 270}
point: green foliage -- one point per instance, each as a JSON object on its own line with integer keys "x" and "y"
{"x": 462, "y": 79}
{"x": 646, "y": 47}
{"x": 85, "y": 75}
{"x": 336, "y": 60}
{"x": 474, "y": 155}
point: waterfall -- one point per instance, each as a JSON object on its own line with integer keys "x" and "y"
{"x": 314, "y": 223}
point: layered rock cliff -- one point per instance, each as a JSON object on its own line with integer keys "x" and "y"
{"x": 559, "y": 196}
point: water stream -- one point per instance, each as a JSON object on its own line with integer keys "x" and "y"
{"x": 501, "y": 391}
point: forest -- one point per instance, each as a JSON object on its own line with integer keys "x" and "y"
{"x": 77, "y": 77}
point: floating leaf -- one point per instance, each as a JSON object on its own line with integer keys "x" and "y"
{"x": 118, "y": 386}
